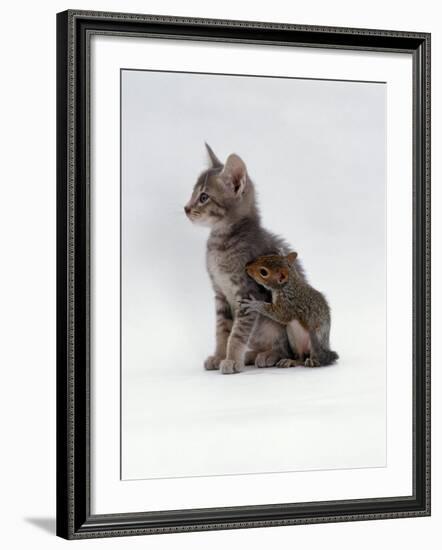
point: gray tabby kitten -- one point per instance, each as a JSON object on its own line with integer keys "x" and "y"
{"x": 224, "y": 199}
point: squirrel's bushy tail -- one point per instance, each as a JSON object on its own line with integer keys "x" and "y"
{"x": 328, "y": 357}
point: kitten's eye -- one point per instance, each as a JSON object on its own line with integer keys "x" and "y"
{"x": 263, "y": 272}
{"x": 204, "y": 197}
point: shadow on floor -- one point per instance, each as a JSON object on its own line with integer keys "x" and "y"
{"x": 46, "y": 524}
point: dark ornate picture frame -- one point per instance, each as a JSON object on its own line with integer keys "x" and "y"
{"x": 74, "y": 518}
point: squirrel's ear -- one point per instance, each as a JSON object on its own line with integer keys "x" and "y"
{"x": 216, "y": 163}
{"x": 291, "y": 257}
{"x": 234, "y": 174}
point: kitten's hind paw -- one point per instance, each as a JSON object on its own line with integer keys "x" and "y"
{"x": 212, "y": 362}
{"x": 288, "y": 363}
{"x": 229, "y": 366}
{"x": 267, "y": 359}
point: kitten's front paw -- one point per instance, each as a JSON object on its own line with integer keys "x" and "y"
{"x": 229, "y": 366}
{"x": 212, "y": 362}
{"x": 267, "y": 359}
{"x": 311, "y": 363}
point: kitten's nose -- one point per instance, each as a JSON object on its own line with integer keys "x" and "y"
{"x": 187, "y": 209}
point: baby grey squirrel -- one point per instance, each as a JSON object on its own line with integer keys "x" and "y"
{"x": 293, "y": 301}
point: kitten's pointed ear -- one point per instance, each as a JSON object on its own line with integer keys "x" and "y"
{"x": 216, "y": 163}
{"x": 291, "y": 257}
{"x": 234, "y": 174}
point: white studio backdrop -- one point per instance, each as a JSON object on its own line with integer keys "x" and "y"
{"x": 316, "y": 151}
{"x": 28, "y": 404}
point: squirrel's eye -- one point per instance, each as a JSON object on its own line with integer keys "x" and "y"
{"x": 263, "y": 272}
{"x": 204, "y": 197}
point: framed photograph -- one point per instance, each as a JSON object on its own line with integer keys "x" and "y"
{"x": 243, "y": 274}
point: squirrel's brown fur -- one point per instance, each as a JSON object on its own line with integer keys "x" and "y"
{"x": 293, "y": 299}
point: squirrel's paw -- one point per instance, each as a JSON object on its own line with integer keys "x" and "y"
{"x": 212, "y": 362}
{"x": 248, "y": 305}
{"x": 229, "y": 366}
{"x": 311, "y": 363}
